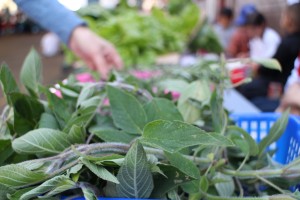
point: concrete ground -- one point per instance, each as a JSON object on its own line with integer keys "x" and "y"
{"x": 13, "y": 50}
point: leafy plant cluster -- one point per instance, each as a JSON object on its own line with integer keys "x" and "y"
{"x": 118, "y": 139}
{"x": 140, "y": 37}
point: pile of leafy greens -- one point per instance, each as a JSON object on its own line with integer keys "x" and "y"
{"x": 117, "y": 139}
{"x": 140, "y": 37}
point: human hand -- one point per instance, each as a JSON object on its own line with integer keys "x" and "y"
{"x": 95, "y": 51}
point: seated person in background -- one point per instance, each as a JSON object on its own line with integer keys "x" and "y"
{"x": 289, "y": 47}
{"x": 264, "y": 40}
{"x": 238, "y": 46}
{"x": 224, "y": 27}
{"x": 291, "y": 97}
{"x": 263, "y": 85}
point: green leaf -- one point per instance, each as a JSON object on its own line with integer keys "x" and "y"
{"x": 164, "y": 109}
{"x": 226, "y": 187}
{"x": 204, "y": 184}
{"x": 75, "y": 169}
{"x": 198, "y": 90}
{"x": 100, "y": 160}
{"x": 127, "y": 112}
{"x": 134, "y": 175}
{"x": 76, "y": 135}
{"x": 5, "y": 191}
{"x": 58, "y": 106}
{"x": 5, "y": 150}
{"x": 17, "y": 195}
{"x": 110, "y": 135}
{"x": 31, "y": 72}
{"x": 174, "y": 136}
{"x": 16, "y": 176}
{"x": 218, "y": 114}
{"x": 183, "y": 164}
{"x": 84, "y": 114}
{"x": 27, "y": 112}
{"x": 48, "y": 121}
{"x": 171, "y": 179}
{"x": 191, "y": 187}
{"x": 174, "y": 85}
{"x": 100, "y": 171}
{"x": 173, "y": 195}
{"x": 275, "y": 132}
{"x": 269, "y": 63}
{"x": 251, "y": 145}
{"x": 88, "y": 192}
{"x": 50, "y": 187}
{"x": 42, "y": 142}
{"x": 32, "y": 164}
{"x": 87, "y": 92}
{"x": 8, "y": 83}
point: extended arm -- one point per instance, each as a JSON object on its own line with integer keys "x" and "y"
{"x": 97, "y": 53}
{"x": 51, "y": 15}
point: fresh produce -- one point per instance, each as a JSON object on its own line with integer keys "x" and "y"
{"x": 141, "y": 37}
{"x": 118, "y": 139}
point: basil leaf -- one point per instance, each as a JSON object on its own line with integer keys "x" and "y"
{"x": 269, "y": 63}
{"x": 110, "y": 135}
{"x": 8, "y": 82}
{"x": 275, "y": 132}
{"x": 164, "y": 109}
{"x": 250, "y": 144}
{"x": 5, "y": 191}
{"x": 183, "y": 164}
{"x": 48, "y": 121}
{"x": 174, "y": 136}
{"x": 16, "y": 176}
{"x": 198, "y": 90}
{"x": 42, "y": 142}
{"x": 134, "y": 175}
{"x": 127, "y": 112}
{"x": 31, "y": 72}
{"x": 100, "y": 171}
{"x": 226, "y": 187}
{"x": 88, "y": 192}
{"x": 84, "y": 114}
{"x": 51, "y": 187}
{"x": 27, "y": 112}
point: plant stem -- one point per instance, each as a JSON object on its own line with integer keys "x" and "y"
{"x": 270, "y": 184}
{"x": 238, "y": 182}
{"x": 266, "y": 173}
{"x": 292, "y": 164}
{"x": 243, "y": 163}
{"x": 277, "y": 197}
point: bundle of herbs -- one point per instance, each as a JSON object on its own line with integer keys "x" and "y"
{"x": 117, "y": 139}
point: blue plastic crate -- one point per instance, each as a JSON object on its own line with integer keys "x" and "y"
{"x": 258, "y": 125}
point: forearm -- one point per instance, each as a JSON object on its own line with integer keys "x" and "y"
{"x": 51, "y": 15}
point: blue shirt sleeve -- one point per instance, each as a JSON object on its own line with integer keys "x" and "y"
{"x": 51, "y": 15}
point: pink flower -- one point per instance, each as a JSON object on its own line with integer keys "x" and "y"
{"x": 143, "y": 74}
{"x": 85, "y": 78}
{"x": 175, "y": 95}
{"x": 106, "y": 102}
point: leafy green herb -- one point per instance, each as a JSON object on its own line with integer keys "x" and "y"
{"x": 135, "y": 176}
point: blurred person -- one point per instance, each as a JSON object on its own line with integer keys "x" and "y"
{"x": 239, "y": 43}
{"x": 291, "y": 96}
{"x": 264, "y": 40}
{"x": 97, "y": 53}
{"x": 268, "y": 84}
{"x": 224, "y": 27}
{"x": 289, "y": 47}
